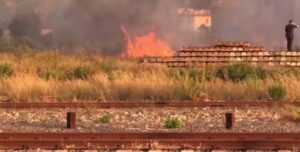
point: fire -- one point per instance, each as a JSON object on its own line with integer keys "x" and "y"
{"x": 148, "y": 45}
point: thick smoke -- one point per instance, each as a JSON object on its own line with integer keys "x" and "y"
{"x": 95, "y": 24}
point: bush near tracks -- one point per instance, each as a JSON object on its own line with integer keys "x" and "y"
{"x": 108, "y": 65}
{"x": 190, "y": 80}
{"x": 277, "y": 92}
{"x": 240, "y": 72}
{"x": 173, "y": 123}
{"x": 55, "y": 74}
{"x": 82, "y": 72}
{"x": 6, "y": 70}
{"x": 105, "y": 119}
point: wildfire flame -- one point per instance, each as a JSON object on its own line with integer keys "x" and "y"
{"x": 148, "y": 45}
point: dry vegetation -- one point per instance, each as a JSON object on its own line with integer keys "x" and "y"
{"x": 53, "y": 76}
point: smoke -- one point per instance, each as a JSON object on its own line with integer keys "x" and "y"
{"x": 95, "y": 24}
{"x": 259, "y": 21}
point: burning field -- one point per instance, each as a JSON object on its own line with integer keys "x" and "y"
{"x": 79, "y": 51}
{"x": 158, "y": 72}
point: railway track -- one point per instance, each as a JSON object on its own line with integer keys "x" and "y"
{"x": 108, "y": 105}
{"x": 162, "y": 141}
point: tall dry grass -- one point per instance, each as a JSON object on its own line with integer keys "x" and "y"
{"x": 50, "y": 76}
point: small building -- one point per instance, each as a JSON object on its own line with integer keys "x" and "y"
{"x": 194, "y": 19}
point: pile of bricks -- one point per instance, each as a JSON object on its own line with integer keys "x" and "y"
{"x": 227, "y": 52}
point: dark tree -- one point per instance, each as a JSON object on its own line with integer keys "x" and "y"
{"x": 1, "y": 32}
{"x": 28, "y": 25}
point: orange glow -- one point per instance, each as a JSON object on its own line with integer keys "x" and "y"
{"x": 148, "y": 45}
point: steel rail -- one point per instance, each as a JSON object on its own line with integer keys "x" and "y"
{"x": 120, "y": 105}
{"x": 213, "y": 141}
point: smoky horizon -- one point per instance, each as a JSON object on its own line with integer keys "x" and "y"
{"x": 96, "y": 24}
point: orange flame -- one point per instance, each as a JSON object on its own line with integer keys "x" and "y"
{"x": 148, "y": 45}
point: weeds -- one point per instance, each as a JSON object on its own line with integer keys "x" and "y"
{"x": 55, "y": 74}
{"x": 240, "y": 72}
{"x": 173, "y": 123}
{"x": 82, "y": 72}
{"x": 34, "y": 76}
{"x": 277, "y": 92}
{"x": 6, "y": 70}
{"x": 108, "y": 65}
{"x": 260, "y": 73}
{"x": 105, "y": 119}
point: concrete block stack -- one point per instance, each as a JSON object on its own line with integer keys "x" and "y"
{"x": 227, "y": 52}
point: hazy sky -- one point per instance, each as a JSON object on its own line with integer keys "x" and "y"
{"x": 97, "y": 22}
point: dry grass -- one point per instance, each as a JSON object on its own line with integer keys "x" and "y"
{"x": 50, "y": 76}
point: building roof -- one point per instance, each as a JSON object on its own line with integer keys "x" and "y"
{"x": 194, "y": 12}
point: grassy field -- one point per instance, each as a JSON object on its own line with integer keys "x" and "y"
{"x": 52, "y": 76}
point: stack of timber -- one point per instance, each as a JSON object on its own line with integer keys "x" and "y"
{"x": 227, "y": 52}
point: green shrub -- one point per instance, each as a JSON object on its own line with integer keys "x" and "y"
{"x": 82, "y": 72}
{"x": 222, "y": 73}
{"x": 173, "y": 123}
{"x": 277, "y": 92}
{"x": 239, "y": 72}
{"x": 261, "y": 73}
{"x": 193, "y": 89}
{"x": 6, "y": 70}
{"x": 79, "y": 72}
{"x": 105, "y": 119}
{"x": 108, "y": 65}
{"x": 55, "y": 74}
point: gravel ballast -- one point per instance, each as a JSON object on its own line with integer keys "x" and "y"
{"x": 267, "y": 120}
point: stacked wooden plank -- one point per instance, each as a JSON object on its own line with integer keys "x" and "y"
{"x": 227, "y": 52}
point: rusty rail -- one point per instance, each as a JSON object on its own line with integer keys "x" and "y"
{"x": 212, "y": 141}
{"x": 120, "y": 105}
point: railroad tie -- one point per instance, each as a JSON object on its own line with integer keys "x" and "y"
{"x": 229, "y": 120}
{"x": 71, "y": 120}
